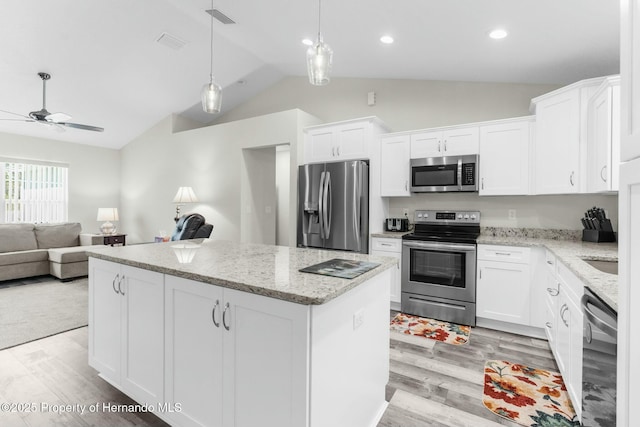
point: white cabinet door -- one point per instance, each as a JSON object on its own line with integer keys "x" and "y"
{"x": 142, "y": 334}
{"x": 394, "y": 166}
{"x": 353, "y": 141}
{"x": 563, "y": 336}
{"x": 499, "y": 282}
{"x": 504, "y": 158}
{"x": 320, "y": 145}
{"x": 194, "y": 365}
{"x": 460, "y": 141}
{"x": 391, "y": 248}
{"x": 629, "y": 292}
{"x": 557, "y": 146}
{"x": 104, "y": 318}
{"x": 261, "y": 332}
{"x": 604, "y": 138}
{"x": 426, "y": 144}
{"x": 630, "y": 79}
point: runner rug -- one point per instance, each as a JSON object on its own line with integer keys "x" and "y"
{"x": 437, "y": 330}
{"x": 528, "y": 396}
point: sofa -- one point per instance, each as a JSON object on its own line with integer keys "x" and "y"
{"x": 38, "y": 249}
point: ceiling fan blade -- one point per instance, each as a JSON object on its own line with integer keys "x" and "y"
{"x": 15, "y": 114}
{"x": 79, "y": 126}
{"x": 57, "y": 117}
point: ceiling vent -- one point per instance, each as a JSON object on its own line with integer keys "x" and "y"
{"x": 220, "y": 16}
{"x": 173, "y": 42}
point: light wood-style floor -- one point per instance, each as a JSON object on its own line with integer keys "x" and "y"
{"x": 431, "y": 383}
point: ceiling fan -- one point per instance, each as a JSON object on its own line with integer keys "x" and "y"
{"x": 58, "y": 120}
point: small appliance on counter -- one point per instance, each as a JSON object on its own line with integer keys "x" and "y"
{"x": 597, "y": 227}
{"x": 396, "y": 224}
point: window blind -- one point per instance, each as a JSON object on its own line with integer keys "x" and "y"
{"x": 34, "y": 192}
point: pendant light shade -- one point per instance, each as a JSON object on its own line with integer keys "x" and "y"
{"x": 319, "y": 58}
{"x": 211, "y": 92}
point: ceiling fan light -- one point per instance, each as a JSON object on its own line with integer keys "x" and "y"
{"x": 211, "y": 97}
{"x": 319, "y": 61}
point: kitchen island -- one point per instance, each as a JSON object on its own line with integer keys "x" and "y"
{"x": 235, "y": 335}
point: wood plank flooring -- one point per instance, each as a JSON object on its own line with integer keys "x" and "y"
{"x": 431, "y": 384}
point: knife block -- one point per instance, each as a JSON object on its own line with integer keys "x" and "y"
{"x": 598, "y": 236}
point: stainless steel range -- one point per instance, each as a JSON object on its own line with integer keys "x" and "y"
{"x": 439, "y": 266}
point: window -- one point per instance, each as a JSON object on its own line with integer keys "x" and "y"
{"x": 33, "y": 192}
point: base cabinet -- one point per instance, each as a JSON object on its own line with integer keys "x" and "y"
{"x": 219, "y": 342}
{"x": 126, "y": 328}
{"x": 391, "y": 247}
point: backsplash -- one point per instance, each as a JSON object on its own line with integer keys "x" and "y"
{"x": 532, "y": 233}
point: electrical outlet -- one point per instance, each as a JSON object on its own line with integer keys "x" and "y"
{"x": 358, "y": 319}
{"x": 512, "y": 214}
{"x": 405, "y": 212}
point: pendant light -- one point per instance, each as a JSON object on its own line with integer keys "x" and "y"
{"x": 211, "y": 92}
{"x": 319, "y": 58}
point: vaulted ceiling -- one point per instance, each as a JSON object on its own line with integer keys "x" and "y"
{"x": 109, "y": 70}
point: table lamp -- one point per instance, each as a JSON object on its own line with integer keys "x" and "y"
{"x": 184, "y": 195}
{"x": 108, "y": 215}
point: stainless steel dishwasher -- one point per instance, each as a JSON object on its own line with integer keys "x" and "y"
{"x": 599, "y": 356}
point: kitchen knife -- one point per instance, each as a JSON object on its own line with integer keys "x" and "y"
{"x": 584, "y": 223}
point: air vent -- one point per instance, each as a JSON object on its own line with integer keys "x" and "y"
{"x": 173, "y": 42}
{"x": 220, "y": 16}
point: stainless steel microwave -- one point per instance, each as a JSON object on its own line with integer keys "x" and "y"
{"x": 444, "y": 174}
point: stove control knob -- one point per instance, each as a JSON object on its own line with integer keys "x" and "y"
{"x": 459, "y": 216}
{"x": 419, "y": 215}
{"x": 426, "y": 215}
{"x": 473, "y": 217}
{"x": 466, "y": 216}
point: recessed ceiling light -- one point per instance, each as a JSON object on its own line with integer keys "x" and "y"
{"x": 386, "y": 39}
{"x": 498, "y": 34}
{"x": 307, "y": 42}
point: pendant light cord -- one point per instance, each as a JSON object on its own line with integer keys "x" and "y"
{"x": 211, "y": 65}
{"x": 319, "y": 17}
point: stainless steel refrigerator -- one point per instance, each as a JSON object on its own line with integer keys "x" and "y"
{"x": 333, "y": 206}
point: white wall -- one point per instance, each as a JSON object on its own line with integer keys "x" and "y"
{"x": 285, "y": 191}
{"x": 210, "y": 160}
{"x": 416, "y": 104}
{"x": 94, "y": 173}
{"x": 259, "y": 195}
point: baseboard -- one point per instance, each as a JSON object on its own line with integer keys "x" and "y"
{"x": 379, "y": 415}
{"x": 513, "y": 328}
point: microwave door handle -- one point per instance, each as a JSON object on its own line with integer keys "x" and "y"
{"x": 321, "y": 204}
{"x": 460, "y": 174}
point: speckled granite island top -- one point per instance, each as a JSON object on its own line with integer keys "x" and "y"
{"x": 570, "y": 252}
{"x": 260, "y": 269}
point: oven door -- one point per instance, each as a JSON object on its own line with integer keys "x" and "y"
{"x": 444, "y": 270}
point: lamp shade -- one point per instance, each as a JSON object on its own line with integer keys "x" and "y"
{"x": 107, "y": 214}
{"x": 185, "y": 195}
{"x": 319, "y": 61}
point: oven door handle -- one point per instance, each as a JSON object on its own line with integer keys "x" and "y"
{"x": 448, "y": 247}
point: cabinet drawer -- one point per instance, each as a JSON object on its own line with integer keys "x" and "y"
{"x": 387, "y": 244}
{"x": 513, "y": 254}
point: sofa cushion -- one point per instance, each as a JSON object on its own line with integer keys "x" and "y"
{"x": 72, "y": 254}
{"x": 17, "y": 237}
{"x": 58, "y": 235}
{"x": 21, "y": 257}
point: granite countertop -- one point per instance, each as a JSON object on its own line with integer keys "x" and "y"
{"x": 390, "y": 234}
{"x": 260, "y": 269}
{"x": 570, "y": 252}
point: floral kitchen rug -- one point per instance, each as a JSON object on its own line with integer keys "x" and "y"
{"x": 437, "y": 330}
{"x": 530, "y": 397}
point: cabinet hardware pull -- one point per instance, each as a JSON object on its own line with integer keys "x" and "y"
{"x": 550, "y": 262}
{"x": 113, "y": 284}
{"x": 213, "y": 314}
{"x": 224, "y": 317}
{"x": 563, "y": 310}
{"x": 482, "y": 183}
{"x": 333, "y": 151}
{"x": 553, "y": 292}
{"x": 604, "y": 178}
{"x": 120, "y": 285}
{"x": 338, "y": 150}
{"x": 386, "y": 244}
{"x": 439, "y": 143}
{"x": 503, "y": 253}
{"x": 445, "y": 145}
{"x": 406, "y": 186}
{"x": 571, "y": 178}
{"x": 549, "y": 325}
{"x": 480, "y": 273}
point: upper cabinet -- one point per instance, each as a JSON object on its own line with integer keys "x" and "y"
{"x": 560, "y": 153}
{"x": 630, "y": 80}
{"x": 394, "y": 165}
{"x": 604, "y": 137}
{"x": 445, "y": 142}
{"x": 348, "y": 140}
{"x": 504, "y": 157}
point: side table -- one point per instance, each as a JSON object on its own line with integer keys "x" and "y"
{"x": 103, "y": 239}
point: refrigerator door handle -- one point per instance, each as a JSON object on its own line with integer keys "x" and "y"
{"x": 356, "y": 211}
{"x": 321, "y": 206}
{"x": 327, "y": 204}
